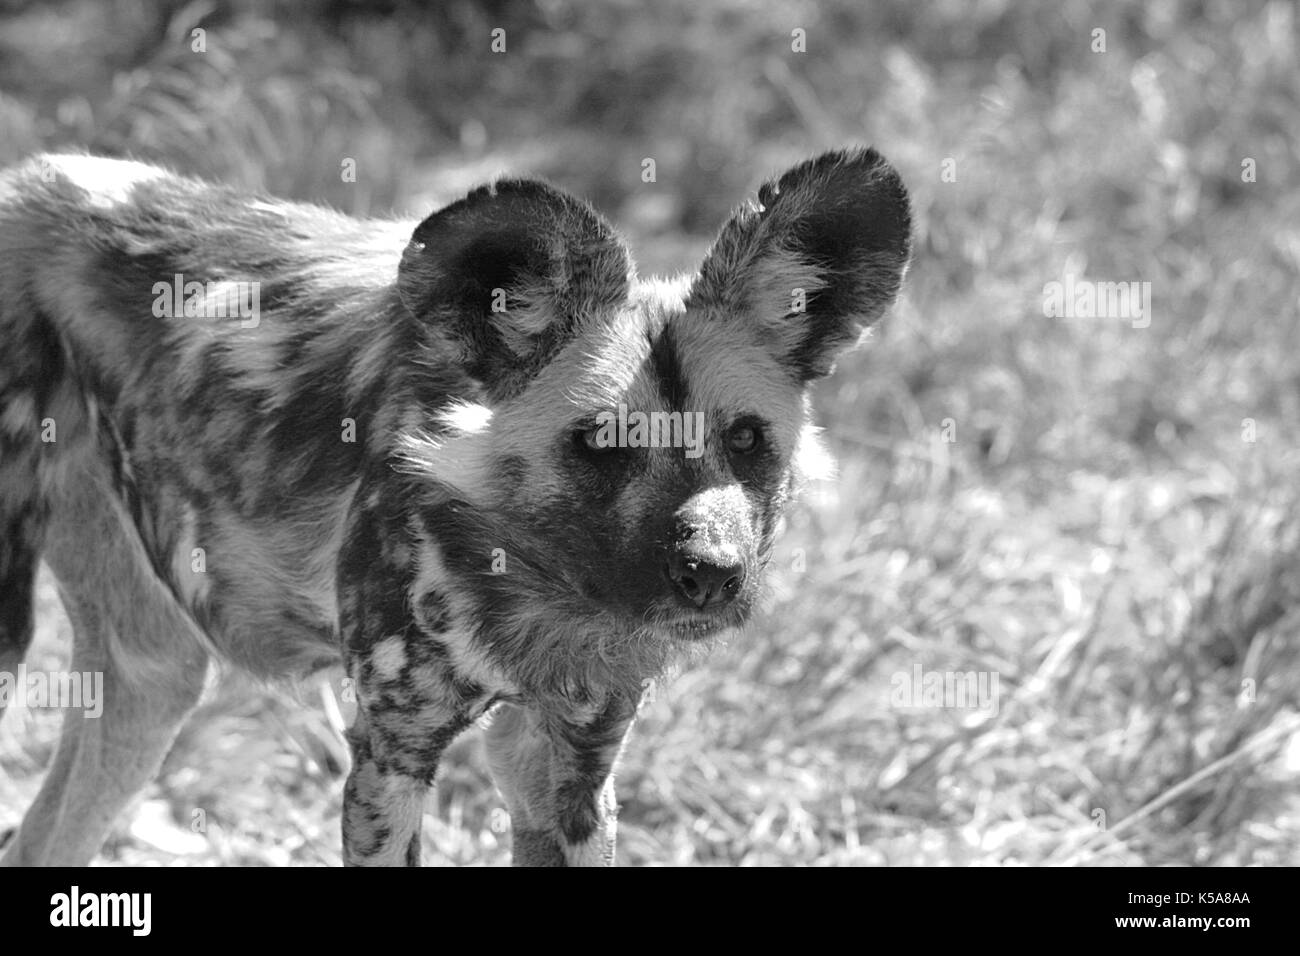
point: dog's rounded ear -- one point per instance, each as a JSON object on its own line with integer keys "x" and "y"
{"x": 508, "y": 274}
{"x": 816, "y": 262}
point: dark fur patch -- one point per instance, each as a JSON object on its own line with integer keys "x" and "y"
{"x": 537, "y": 848}
{"x": 437, "y": 615}
{"x": 545, "y": 251}
{"x": 18, "y": 556}
{"x": 668, "y": 370}
{"x": 839, "y": 226}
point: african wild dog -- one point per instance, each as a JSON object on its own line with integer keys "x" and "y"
{"x": 393, "y": 463}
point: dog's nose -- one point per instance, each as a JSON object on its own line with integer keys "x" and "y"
{"x": 705, "y": 581}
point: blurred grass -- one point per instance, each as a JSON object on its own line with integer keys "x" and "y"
{"x": 1098, "y": 534}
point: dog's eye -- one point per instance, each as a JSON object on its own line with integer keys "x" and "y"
{"x": 742, "y": 439}
{"x": 586, "y": 438}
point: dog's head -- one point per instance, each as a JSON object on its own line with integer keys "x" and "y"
{"x": 633, "y": 442}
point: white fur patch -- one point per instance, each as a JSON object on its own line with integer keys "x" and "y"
{"x": 466, "y": 417}
{"x": 466, "y": 655}
{"x": 106, "y": 182}
{"x": 459, "y": 459}
{"x": 389, "y": 657}
{"x": 812, "y": 459}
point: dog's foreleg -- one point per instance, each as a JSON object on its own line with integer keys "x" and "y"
{"x": 406, "y": 717}
{"x": 557, "y": 777}
{"x": 382, "y": 806}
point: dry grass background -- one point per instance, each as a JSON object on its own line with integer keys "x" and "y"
{"x": 1099, "y": 534}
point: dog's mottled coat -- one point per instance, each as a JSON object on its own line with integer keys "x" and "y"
{"x": 389, "y": 466}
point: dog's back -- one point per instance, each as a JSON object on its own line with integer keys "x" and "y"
{"x": 197, "y": 374}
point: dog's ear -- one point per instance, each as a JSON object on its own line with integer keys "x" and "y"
{"x": 816, "y": 263}
{"x": 508, "y": 274}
